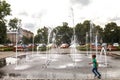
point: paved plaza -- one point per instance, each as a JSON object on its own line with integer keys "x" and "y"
{"x": 60, "y": 64}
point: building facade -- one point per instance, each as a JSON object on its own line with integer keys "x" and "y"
{"x": 12, "y": 36}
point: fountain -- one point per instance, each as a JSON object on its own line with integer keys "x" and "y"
{"x": 91, "y": 40}
{"x": 53, "y": 65}
{"x": 13, "y": 60}
{"x": 91, "y": 35}
{"x": 87, "y": 43}
{"x": 103, "y": 51}
{"x": 73, "y": 51}
{"x": 96, "y": 43}
{"x": 53, "y": 53}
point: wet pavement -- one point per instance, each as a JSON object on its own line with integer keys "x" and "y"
{"x": 60, "y": 64}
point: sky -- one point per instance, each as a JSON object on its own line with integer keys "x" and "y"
{"x": 36, "y": 14}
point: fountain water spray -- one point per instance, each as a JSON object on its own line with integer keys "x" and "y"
{"x": 87, "y": 43}
{"x": 48, "y": 46}
{"x": 91, "y": 27}
{"x": 103, "y": 51}
{"x": 73, "y": 50}
{"x": 51, "y": 45}
{"x": 74, "y": 43}
{"x": 16, "y": 46}
{"x": 96, "y": 43}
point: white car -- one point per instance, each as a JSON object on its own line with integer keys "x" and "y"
{"x": 115, "y": 44}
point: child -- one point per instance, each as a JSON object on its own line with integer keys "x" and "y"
{"x": 95, "y": 67}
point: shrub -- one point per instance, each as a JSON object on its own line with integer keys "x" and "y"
{"x": 6, "y": 48}
{"x": 42, "y": 48}
{"x": 83, "y": 47}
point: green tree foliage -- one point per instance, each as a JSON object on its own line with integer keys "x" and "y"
{"x": 26, "y": 40}
{"x": 99, "y": 33}
{"x": 63, "y": 34}
{"x": 42, "y": 35}
{"x": 14, "y": 23}
{"x": 4, "y": 11}
{"x": 82, "y": 28}
{"x": 3, "y": 35}
{"x": 118, "y": 34}
{"x": 111, "y": 31}
{"x": 80, "y": 31}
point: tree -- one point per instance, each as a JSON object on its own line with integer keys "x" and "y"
{"x": 99, "y": 33}
{"x": 79, "y": 32}
{"x": 4, "y": 11}
{"x": 42, "y": 35}
{"x": 14, "y": 23}
{"x": 118, "y": 34}
{"x": 111, "y": 31}
{"x": 82, "y": 28}
{"x": 3, "y": 35}
{"x": 63, "y": 34}
{"x": 25, "y": 40}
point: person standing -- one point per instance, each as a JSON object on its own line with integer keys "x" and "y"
{"x": 109, "y": 47}
{"x": 95, "y": 67}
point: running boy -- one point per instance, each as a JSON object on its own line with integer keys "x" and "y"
{"x": 95, "y": 66}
